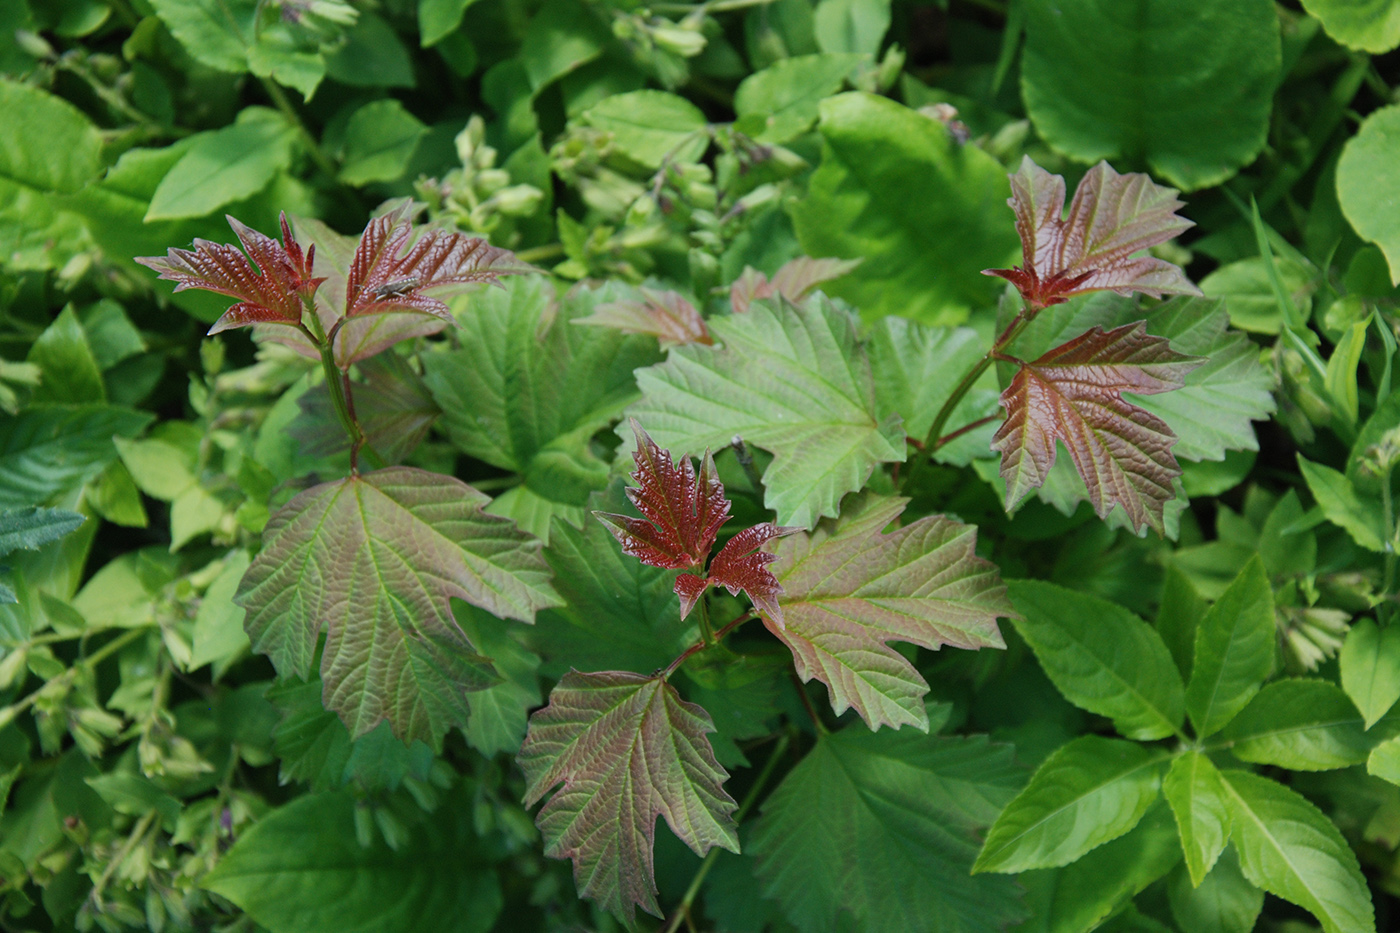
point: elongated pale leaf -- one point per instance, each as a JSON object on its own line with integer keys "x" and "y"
{"x": 373, "y": 559}
{"x": 850, "y": 590}
{"x": 1234, "y": 650}
{"x": 1370, "y": 665}
{"x": 1086, "y": 793}
{"x": 1290, "y": 848}
{"x": 792, "y": 380}
{"x": 1303, "y": 725}
{"x": 32, "y": 528}
{"x": 666, "y": 315}
{"x": 1101, "y": 657}
{"x": 1197, "y": 798}
{"x": 877, "y": 831}
{"x": 626, "y": 749}
{"x": 1073, "y": 394}
{"x": 224, "y": 166}
{"x": 1344, "y": 505}
{"x": 1112, "y": 218}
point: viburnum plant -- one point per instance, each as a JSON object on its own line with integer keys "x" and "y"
{"x": 361, "y": 572}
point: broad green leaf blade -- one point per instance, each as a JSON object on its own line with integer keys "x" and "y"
{"x": 1179, "y": 614}
{"x": 925, "y": 213}
{"x": 380, "y": 139}
{"x": 47, "y": 450}
{"x": 527, "y": 388}
{"x": 1086, "y": 793}
{"x": 500, "y": 712}
{"x": 780, "y": 102}
{"x": 374, "y": 559}
{"x": 31, "y": 528}
{"x": 1197, "y": 798}
{"x": 1134, "y": 92}
{"x": 793, "y": 380}
{"x": 1235, "y": 649}
{"x": 1370, "y": 664}
{"x": 1384, "y": 761}
{"x": 652, "y": 127}
{"x": 1303, "y": 725}
{"x": 210, "y": 30}
{"x": 877, "y": 832}
{"x": 848, "y": 590}
{"x": 224, "y": 166}
{"x": 1367, "y": 182}
{"x": 300, "y": 869}
{"x": 623, "y": 749}
{"x": 1367, "y": 25}
{"x": 1290, "y": 848}
{"x": 851, "y": 25}
{"x": 1222, "y": 902}
{"x": 68, "y": 370}
{"x": 1101, "y": 657}
{"x": 1345, "y": 505}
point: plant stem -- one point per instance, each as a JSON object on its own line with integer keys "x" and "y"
{"x": 683, "y": 909}
{"x": 91, "y": 661}
{"x": 137, "y": 834}
{"x": 707, "y": 635}
{"x": 700, "y": 646}
{"x": 318, "y": 155}
{"x": 807, "y": 703}
{"x": 537, "y": 253}
{"x": 339, "y": 389}
{"x": 965, "y": 428}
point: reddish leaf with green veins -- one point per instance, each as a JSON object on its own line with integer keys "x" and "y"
{"x": 1111, "y": 218}
{"x": 740, "y": 565}
{"x": 792, "y": 281}
{"x": 665, "y": 315}
{"x": 1073, "y": 393}
{"x": 374, "y": 560}
{"x": 850, "y": 590}
{"x": 271, "y": 280}
{"x": 623, "y": 749}
{"x": 391, "y": 270}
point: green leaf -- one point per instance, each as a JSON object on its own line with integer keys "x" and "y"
{"x": 793, "y": 380}
{"x": 1367, "y": 182}
{"x": 31, "y": 528}
{"x": 45, "y": 451}
{"x": 301, "y": 869}
{"x": 1134, "y": 92}
{"x": 626, "y": 749}
{"x": 1384, "y": 760}
{"x": 135, "y": 795}
{"x": 1249, "y": 296}
{"x": 527, "y": 390}
{"x": 848, "y": 590}
{"x": 1370, "y": 664}
{"x": 1290, "y": 848}
{"x": 373, "y": 55}
{"x": 1102, "y": 657}
{"x": 68, "y": 370}
{"x": 781, "y": 102}
{"x": 223, "y": 166}
{"x": 1341, "y": 369}
{"x": 211, "y": 31}
{"x": 500, "y": 712}
{"x": 851, "y": 25}
{"x": 1303, "y": 725}
{"x": 438, "y": 18}
{"x": 1235, "y": 649}
{"x": 218, "y": 636}
{"x": 1086, "y": 793}
{"x": 1344, "y": 505}
{"x": 925, "y": 213}
{"x": 563, "y": 35}
{"x": 1367, "y": 25}
{"x": 1222, "y": 902}
{"x": 875, "y": 832}
{"x": 1178, "y": 616}
{"x": 373, "y": 559}
{"x": 1197, "y": 798}
{"x": 380, "y": 139}
{"x": 652, "y": 127}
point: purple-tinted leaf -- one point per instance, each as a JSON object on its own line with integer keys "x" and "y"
{"x": 740, "y": 565}
{"x": 393, "y": 406}
{"x": 1073, "y": 394}
{"x": 793, "y": 281}
{"x": 391, "y": 270}
{"x": 373, "y": 560}
{"x": 665, "y": 315}
{"x": 626, "y": 749}
{"x": 1112, "y": 217}
{"x": 683, "y": 511}
{"x": 848, "y": 590}
{"x": 271, "y": 280}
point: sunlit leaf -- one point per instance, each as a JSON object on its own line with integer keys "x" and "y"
{"x": 1234, "y": 651}
{"x": 1198, "y": 801}
{"x": 626, "y": 749}
{"x": 792, "y": 281}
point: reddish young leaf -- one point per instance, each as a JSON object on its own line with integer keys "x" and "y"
{"x": 1073, "y": 393}
{"x": 1112, "y": 217}
{"x": 683, "y": 511}
{"x": 626, "y": 749}
{"x": 272, "y": 286}
{"x": 391, "y": 271}
{"x": 667, "y": 316}
{"x": 740, "y": 565}
{"x": 793, "y": 281}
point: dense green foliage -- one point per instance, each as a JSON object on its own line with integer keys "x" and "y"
{"x": 573, "y": 383}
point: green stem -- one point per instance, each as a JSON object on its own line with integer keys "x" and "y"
{"x": 707, "y": 635}
{"x": 807, "y": 704}
{"x": 700, "y": 646}
{"x": 1388, "y": 581}
{"x": 683, "y": 910}
{"x": 538, "y": 253}
{"x": 284, "y": 106}
{"x": 89, "y": 662}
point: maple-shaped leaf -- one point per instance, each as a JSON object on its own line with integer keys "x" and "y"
{"x": 626, "y": 749}
{"x": 683, "y": 510}
{"x": 665, "y": 315}
{"x": 391, "y": 270}
{"x": 1111, "y": 218}
{"x": 849, "y": 590}
{"x": 740, "y": 565}
{"x": 373, "y": 560}
{"x": 1073, "y": 393}
{"x": 793, "y": 280}
{"x": 271, "y": 281}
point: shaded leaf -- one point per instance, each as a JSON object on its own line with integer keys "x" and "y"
{"x": 1197, "y": 798}
{"x": 1384, "y": 761}
{"x": 1235, "y": 648}
{"x": 793, "y": 280}
{"x": 373, "y": 559}
{"x": 1370, "y": 667}
{"x": 393, "y": 406}
{"x": 31, "y": 528}
{"x": 665, "y": 315}
{"x": 849, "y": 590}
{"x": 623, "y": 749}
{"x": 1222, "y": 902}
{"x": 1073, "y": 394}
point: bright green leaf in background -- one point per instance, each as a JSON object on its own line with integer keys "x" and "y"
{"x": 851, "y": 25}
{"x": 1370, "y": 667}
{"x": 1234, "y": 651}
{"x": 781, "y": 102}
{"x": 652, "y": 127}
{"x": 1124, "y": 80}
{"x": 1368, "y": 187}
{"x": 225, "y": 165}
{"x": 379, "y": 141}
{"x": 1368, "y": 25}
{"x": 1304, "y": 725}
